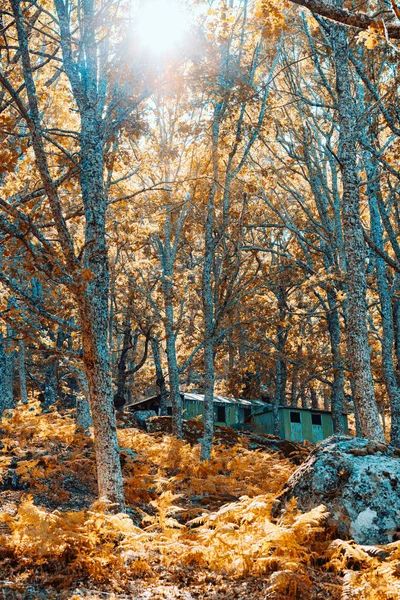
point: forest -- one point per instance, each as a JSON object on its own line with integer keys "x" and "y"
{"x": 199, "y": 197}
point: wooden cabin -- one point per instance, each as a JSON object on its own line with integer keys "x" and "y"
{"x": 227, "y": 411}
{"x": 296, "y": 424}
{"x": 232, "y": 412}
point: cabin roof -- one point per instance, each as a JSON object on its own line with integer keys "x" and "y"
{"x": 225, "y": 400}
{"x": 200, "y": 398}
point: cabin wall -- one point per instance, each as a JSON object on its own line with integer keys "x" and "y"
{"x": 264, "y": 423}
{"x": 194, "y": 408}
{"x": 295, "y": 431}
{"x": 327, "y": 425}
{"x": 231, "y": 414}
{"x": 306, "y": 429}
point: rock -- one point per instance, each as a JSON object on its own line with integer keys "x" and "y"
{"x": 142, "y": 416}
{"x": 359, "y": 483}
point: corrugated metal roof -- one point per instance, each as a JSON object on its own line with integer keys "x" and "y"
{"x": 225, "y": 400}
{"x": 200, "y": 398}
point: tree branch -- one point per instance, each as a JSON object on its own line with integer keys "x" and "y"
{"x": 341, "y": 15}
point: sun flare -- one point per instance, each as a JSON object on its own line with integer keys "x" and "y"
{"x": 161, "y": 25}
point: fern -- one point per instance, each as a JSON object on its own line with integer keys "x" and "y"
{"x": 214, "y": 516}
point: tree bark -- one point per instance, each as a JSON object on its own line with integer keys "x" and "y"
{"x": 281, "y": 364}
{"x": 396, "y": 324}
{"x": 207, "y": 293}
{"x": 9, "y": 370}
{"x": 22, "y": 373}
{"x": 337, "y": 397}
{"x": 336, "y": 12}
{"x": 50, "y": 381}
{"x": 387, "y": 341}
{"x": 86, "y": 274}
{"x": 121, "y": 378}
{"x": 3, "y": 370}
{"x": 314, "y": 398}
{"x": 277, "y": 397}
{"x": 359, "y": 352}
{"x": 173, "y": 370}
{"x": 160, "y": 379}
{"x": 167, "y": 252}
{"x": 83, "y": 416}
{"x": 93, "y": 308}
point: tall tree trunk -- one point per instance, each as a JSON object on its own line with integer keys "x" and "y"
{"x": 314, "y": 398}
{"x": 167, "y": 251}
{"x": 207, "y": 293}
{"x": 277, "y": 397}
{"x": 121, "y": 376}
{"x": 293, "y": 388}
{"x": 160, "y": 379}
{"x": 396, "y": 324}
{"x": 173, "y": 370}
{"x": 304, "y": 399}
{"x": 22, "y": 373}
{"x": 359, "y": 352}
{"x": 93, "y": 308}
{"x": 96, "y": 359}
{"x": 50, "y": 380}
{"x": 209, "y": 380}
{"x": 9, "y": 370}
{"x": 90, "y": 284}
{"x": 83, "y": 416}
{"x": 3, "y": 370}
{"x": 281, "y": 335}
{"x": 337, "y": 397}
{"x": 295, "y": 376}
{"x": 387, "y": 343}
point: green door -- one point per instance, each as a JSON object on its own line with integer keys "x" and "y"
{"x": 296, "y": 427}
{"x": 316, "y": 427}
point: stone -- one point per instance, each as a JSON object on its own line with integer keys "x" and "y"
{"x": 359, "y": 483}
{"x": 142, "y": 416}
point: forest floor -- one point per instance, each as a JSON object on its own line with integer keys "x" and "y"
{"x": 193, "y": 530}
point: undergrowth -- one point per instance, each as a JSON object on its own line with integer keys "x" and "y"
{"x": 212, "y": 516}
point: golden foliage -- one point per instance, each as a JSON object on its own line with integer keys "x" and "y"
{"x": 91, "y": 543}
{"x": 370, "y": 37}
{"x": 186, "y": 521}
{"x": 46, "y": 447}
{"x": 168, "y": 464}
{"x": 365, "y": 575}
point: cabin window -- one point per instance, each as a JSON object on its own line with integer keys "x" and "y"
{"x": 316, "y": 419}
{"x": 295, "y": 417}
{"x": 169, "y": 411}
{"x": 246, "y": 415}
{"x": 221, "y": 414}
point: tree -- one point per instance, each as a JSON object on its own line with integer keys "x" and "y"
{"x": 98, "y": 100}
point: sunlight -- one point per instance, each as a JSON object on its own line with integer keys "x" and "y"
{"x": 161, "y": 25}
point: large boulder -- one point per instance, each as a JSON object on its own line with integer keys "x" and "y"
{"x": 359, "y": 483}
